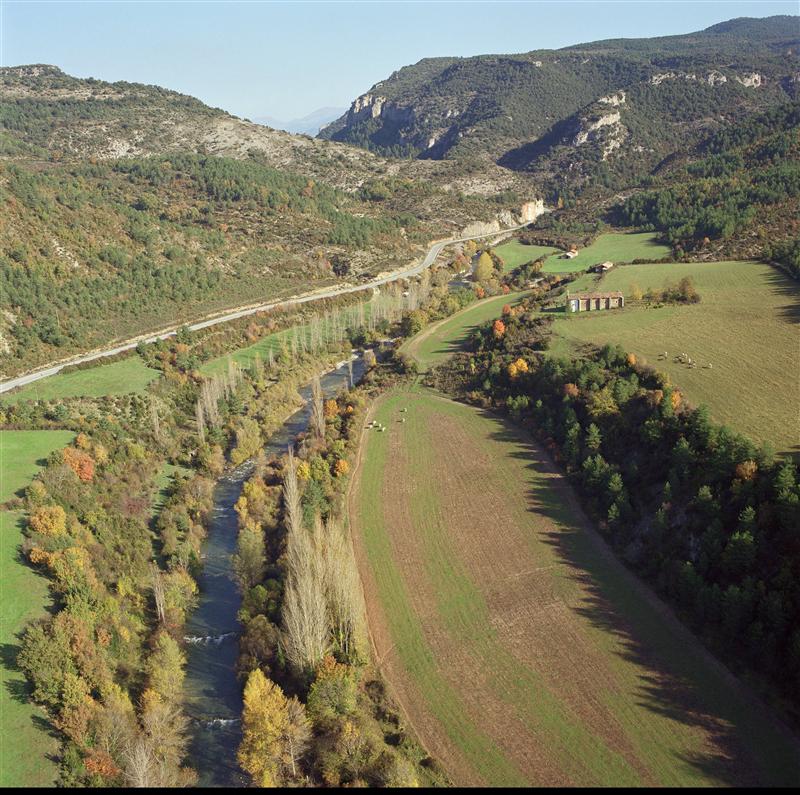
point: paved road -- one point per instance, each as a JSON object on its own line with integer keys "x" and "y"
{"x": 427, "y": 261}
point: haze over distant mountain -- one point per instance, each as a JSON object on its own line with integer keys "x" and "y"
{"x": 311, "y": 124}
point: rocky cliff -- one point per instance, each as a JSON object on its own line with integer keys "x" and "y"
{"x": 607, "y": 101}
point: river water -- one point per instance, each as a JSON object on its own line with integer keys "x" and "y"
{"x": 213, "y": 694}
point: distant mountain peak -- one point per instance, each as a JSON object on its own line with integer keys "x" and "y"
{"x": 310, "y": 124}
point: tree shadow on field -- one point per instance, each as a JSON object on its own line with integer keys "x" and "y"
{"x": 783, "y": 286}
{"x": 674, "y": 679}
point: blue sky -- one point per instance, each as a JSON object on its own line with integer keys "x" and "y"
{"x": 286, "y": 59}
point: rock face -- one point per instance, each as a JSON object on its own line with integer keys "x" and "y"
{"x": 528, "y": 213}
{"x": 615, "y": 100}
{"x": 753, "y": 80}
{"x": 590, "y": 127}
{"x": 506, "y": 108}
{"x": 371, "y": 106}
{"x": 481, "y": 228}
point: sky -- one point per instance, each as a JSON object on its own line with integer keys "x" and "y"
{"x": 286, "y": 58}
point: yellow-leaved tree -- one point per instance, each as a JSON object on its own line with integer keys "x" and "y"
{"x": 275, "y": 732}
{"x": 484, "y": 269}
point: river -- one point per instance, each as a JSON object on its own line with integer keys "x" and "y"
{"x": 213, "y": 694}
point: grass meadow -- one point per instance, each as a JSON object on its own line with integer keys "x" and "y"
{"x": 118, "y": 378}
{"x": 745, "y": 327}
{"x": 20, "y": 454}
{"x": 615, "y": 246}
{"x": 515, "y": 253}
{"x": 26, "y": 742}
{"x": 276, "y": 342}
{"x": 521, "y": 650}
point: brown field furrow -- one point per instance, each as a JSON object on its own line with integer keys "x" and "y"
{"x": 555, "y": 642}
{"x": 559, "y": 662}
{"x": 532, "y": 620}
{"x": 456, "y": 663}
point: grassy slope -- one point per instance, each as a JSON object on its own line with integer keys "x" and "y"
{"x": 26, "y": 747}
{"x": 660, "y": 711}
{"x": 118, "y": 378}
{"x": 515, "y": 253}
{"x": 435, "y": 343}
{"x": 745, "y": 326}
{"x": 614, "y": 246}
{"x": 20, "y": 452}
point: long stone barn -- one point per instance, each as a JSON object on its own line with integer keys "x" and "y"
{"x": 590, "y": 302}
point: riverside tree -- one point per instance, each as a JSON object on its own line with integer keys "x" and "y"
{"x": 275, "y": 732}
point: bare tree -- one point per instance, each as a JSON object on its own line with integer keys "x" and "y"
{"x": 255, "y": 366}
{"x": 154, "y": 419}
{"x": 305, "y": 618}
{"x": 158, "y": 591}
{"x": 298, "y": 733}
{"x": 199, "y": 420}
{"x": 210, "y": 393}
{"x": 291, "y": 495}
{"x": 317, "y": 409}
{"x": 140, "y": 764}
{"x": 343, "y": 592}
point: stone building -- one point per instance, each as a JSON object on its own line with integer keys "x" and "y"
{"x": 590, "y": 302}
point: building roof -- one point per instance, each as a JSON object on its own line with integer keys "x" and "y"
{"x": 584, "y": 296}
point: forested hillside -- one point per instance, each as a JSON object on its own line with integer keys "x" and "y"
{"x": 610, "y": 109}
{"x": 128, "y": 208}
{"x": 738, "y": 193}
{"x": 95, "y": 251}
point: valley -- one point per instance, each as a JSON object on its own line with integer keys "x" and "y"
{"x": 457, "y": 445}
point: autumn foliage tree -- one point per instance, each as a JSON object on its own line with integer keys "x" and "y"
{"x": 275, "y": 732}
{"x": 517, "y": 368}
{"x": 80, "y": 462}
{"x": 484, "y": 268}
{"x": 49, "y": 520}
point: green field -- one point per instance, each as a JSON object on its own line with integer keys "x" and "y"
{"x": 520, "y": 649}
{"x": 614, "y": 246}
{"x": 25, "y": 742}
{"x": 118, "y": 378}
{"x": 245, "y": 357}
{"x": 745, "y": 327}
{"x": 20, "y": 454}
{"x": 435, "y": 343}
{"x": 515, "y": 253}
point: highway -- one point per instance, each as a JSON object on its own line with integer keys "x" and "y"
{"x": 331, "y": 292}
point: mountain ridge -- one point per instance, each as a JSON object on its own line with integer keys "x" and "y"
{"x": 488, "y": 106}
